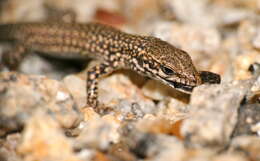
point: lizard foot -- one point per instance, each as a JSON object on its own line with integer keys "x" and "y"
{"x": 101, "y": 109}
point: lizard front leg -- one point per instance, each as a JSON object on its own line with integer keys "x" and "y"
{"x": 93, "y": 76}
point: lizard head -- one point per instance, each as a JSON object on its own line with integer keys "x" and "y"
{"x": 170, "y": 65}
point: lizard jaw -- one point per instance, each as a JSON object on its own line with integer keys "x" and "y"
{"x": 206, "y": 77}
{"x": 180, "y": 86}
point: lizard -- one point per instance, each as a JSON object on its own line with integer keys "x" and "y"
{"x": 114, "y": 49}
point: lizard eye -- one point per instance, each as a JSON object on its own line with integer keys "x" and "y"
{"x": 167, "y": 71}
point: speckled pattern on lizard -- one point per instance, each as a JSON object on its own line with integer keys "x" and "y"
{"x": 114, "y": 49}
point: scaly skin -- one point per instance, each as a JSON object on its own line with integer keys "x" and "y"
{"x": 114, "y": 49}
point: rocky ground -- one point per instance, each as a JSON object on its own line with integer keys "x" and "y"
{"x": 41, "y": 114}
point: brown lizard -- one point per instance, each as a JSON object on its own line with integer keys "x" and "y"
{"x": 114, "y": 49}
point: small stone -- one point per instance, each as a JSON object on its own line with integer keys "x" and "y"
{"x": 248, "y": 117}
{"x": 230, "y": 157}
{"x": 150, "y": 145}
{"x": 243, "y": 62}
{"x": 159, "y": 125}
{"x": 256, "y": 86}
{"x": 256, "y": 40}
{"x": 155, "y": 90}
{"x": 43, "y": 139}
{"x": 62, "y": 96}
{"x": 76, "y": 86}
{"x": 89, "y": 114}
{"x": 248, "y": 33}
{"x": 256, "y": 128}
{"x": 8, "y": 147}
{"x": 172, "y": 109}
{"x": 250, "y": 145}
{"x": 98, "y": 133}
{"x": 113, "y": 92}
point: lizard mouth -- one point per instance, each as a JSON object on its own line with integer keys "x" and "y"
{"x": 183, "y": 87}
{"x": 206, "y": 77}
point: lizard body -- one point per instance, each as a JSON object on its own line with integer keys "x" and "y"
{"x": 114, "y": 49}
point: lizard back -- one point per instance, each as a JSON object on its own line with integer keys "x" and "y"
{"x": 147, "y": 55}
{"x": 63, "y": 39}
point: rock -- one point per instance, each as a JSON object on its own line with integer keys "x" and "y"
{"x": 43, "y": 139}
{"x": 98, "y": 133}
{"x": 214, "y": 113}
{"x": 112, "y": 89}
{"x": 25, "y": 94}
{"x": 193, "y": 39}
{"x": 256, "y": 86}
{"x": 158, "y": 147}
{"x": 150, "y": 145}
{"x": 8, "y": 148}
{"x": 243, "y": 62}
{"x": 55, "y": 69}
{"x": 248, "y": 118}
{"x": 172, "y": 109}
{"x": 160, "y": 125}
{"x": 76, "y": 86}
{"x": 248, "y": 145}
{"x": 230, "y": 157}
{"x": 248, "y": 34}
{"x": 26, "y": 10}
